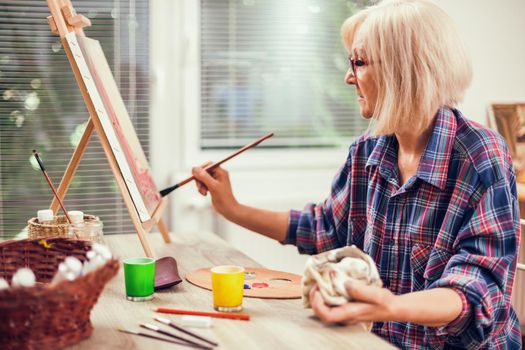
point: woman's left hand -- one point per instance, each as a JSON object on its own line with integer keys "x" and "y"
{"x": 369, "y": 303}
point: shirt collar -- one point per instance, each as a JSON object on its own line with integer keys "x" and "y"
{"x": 384, "y": 154}
{"x": 433, "y": 166}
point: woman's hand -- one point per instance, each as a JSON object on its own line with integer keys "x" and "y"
{"x": 217, "y": 182}
{"x": 369, "y": 304}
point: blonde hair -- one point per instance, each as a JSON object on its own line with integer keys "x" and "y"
{"x": 418, "y": 60}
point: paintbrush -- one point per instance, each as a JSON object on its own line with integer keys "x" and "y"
{"x": 41, "y": 164}
{"x": 163, "y": 332}
{"x": 173, "y": 325}
{"x": 212, "y": 166}
{"x": 158, "y": 338}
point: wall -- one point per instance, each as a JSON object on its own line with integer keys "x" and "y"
{"x": 492, "y": 31}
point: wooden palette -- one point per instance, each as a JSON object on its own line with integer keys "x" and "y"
{"x": 281, "y": 285}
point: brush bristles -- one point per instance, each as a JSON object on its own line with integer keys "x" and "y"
{"x": 162, "y": 320}
{"x": 167, "y": 191}
{"x": 149, "y": 326}
{"x": 126, "y": 331}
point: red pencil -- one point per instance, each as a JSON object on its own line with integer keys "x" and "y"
{"x": 163, "y": 310}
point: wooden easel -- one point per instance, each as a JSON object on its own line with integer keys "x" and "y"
{"x": 64, "y": 20}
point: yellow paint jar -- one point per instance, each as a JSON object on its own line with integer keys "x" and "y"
{"x": 227, "y": 283}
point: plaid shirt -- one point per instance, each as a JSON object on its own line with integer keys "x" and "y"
{"x": 454, "y": 224}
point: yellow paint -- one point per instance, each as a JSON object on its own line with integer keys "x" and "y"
{"x": 45, "y": 244}
{"x": 227, "y": 284}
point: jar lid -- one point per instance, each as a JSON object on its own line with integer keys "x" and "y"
{"x": 76, "y": 216}
{"x": 45, "y": 215}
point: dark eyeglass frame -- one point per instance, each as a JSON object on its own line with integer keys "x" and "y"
{"x": 354, "y": 63}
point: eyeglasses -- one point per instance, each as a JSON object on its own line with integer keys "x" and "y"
{"x": 355, "y": 63}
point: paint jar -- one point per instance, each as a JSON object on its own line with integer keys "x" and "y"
{"x": 88, "y": 230}
{"x": 76, "y": 216}
{"x": 93, "y": 231}
{"x": 46, "y": 217}
{"x": 139, "y": 278}
{"x": 76, "y": 227}
{"x": 227, "y": 283}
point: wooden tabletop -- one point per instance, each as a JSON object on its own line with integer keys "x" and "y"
{"x": 274, "y": 324}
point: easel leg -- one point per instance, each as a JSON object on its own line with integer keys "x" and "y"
{"x": 164, "y": 230}
{"x": 144, "y": 241}
{"x": 73, "y": 165}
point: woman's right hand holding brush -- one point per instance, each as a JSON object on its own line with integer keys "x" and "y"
{"x": 272, "y": 224}
{"x": 217, "y": 182}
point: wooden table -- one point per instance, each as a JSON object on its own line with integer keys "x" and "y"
{"x": 274, "y": 324}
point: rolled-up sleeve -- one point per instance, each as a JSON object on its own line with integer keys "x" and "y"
{"x": 482, "y": 270}
{"x": 323, "y": 226}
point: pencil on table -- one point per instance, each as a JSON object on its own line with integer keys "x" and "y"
{"x": 243, "y": 317}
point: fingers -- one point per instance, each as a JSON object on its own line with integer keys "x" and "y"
{"x": 219, "y": 172}
{"x": 201, "y": 188}
{"x": 204, "y": 177}
{"x": 367, "y": 294}
{"x": 312, "y": 292}
{"x": 318, "y": 305}
{"x": 348, "y": 313}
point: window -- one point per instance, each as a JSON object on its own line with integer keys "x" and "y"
{"x": 275, "y": 66}
{"x": 41, "y": 108}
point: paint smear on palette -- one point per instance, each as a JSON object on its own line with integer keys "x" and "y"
{"x": 260, "y": 285}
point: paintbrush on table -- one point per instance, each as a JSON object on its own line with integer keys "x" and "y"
{"x": 212, "y": 166}
{"x": 173, "y": 325}
{"x": 146, "y": 335}
{"x": 41, "y": 164}
{"x": 163, "y": 332}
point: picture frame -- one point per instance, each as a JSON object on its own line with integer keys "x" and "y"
{"x": 508, "y": 118}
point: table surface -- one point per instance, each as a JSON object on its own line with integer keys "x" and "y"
{"x": 274, "y": 324}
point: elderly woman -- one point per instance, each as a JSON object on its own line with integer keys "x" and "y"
{"x": 427, "y": 193}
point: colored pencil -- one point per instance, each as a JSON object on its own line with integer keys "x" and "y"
{"x": 41, "y": 164}
{"x": 173, "y": 325}
{"x": 163, "y": 310}
{"x": 163, "y": 332}
{"x": 154, "y": 337}
{"x": 212, "y": 166}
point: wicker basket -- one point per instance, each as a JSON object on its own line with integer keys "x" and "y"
{"x": 45, "y": 316}
{"x": 58, "y": 229}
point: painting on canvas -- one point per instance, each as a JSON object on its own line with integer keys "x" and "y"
{"x": 122, "y": 125}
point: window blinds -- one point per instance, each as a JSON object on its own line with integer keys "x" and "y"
{"x": 272, "y": 65}
{"x": 41, "y": 108}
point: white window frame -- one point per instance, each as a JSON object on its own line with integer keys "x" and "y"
{"x": 181, "y": 32}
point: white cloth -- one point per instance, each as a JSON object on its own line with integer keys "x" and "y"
{"x": 332, "y": 269}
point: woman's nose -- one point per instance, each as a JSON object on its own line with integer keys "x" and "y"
{"x": 350, "y": 77}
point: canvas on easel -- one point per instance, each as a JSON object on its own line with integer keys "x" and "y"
{"x": 109, "y": 118}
